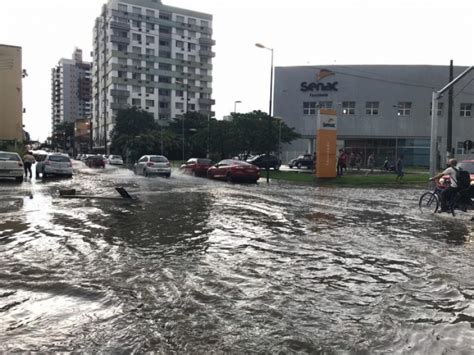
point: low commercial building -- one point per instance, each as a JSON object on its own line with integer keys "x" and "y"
{"x": 11, "y": 105}
{"x": 382, "y": 109}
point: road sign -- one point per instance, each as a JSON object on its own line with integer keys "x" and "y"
{"x": 467, "y": 145}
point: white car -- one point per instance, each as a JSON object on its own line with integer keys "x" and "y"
{"x": 115, "y": 160}
{"x": 54, "y": 164}
{"x": 11, "y": 166}
{"x": 153, "y": 165}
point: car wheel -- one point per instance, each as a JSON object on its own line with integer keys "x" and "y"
{"x": 299, "y": 165}
{"x": 167, "y": 176}
{"x": 276, "y": 167}
{"x": 43, "y": 174}
{"x": 229, "y": 178}
{"x": 193, "y": 173}
{"x": 19, "y": 179}
{"x": 145, "y": 172}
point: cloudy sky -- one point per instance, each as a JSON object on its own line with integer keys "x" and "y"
{"x": 302, "y": 32}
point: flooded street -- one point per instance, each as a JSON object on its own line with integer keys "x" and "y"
{"x": 197, "y": 266}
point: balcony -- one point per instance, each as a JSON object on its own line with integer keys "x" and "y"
{"x": 118, "y": 106}
{"x": 120, "y": 93}
{"x": 207, "y": 102}
{"x": 207, "y": 41}
{"x": 121, "y": 40}
{"x": 207, "y": 53}
{"x": 120, "y": 25}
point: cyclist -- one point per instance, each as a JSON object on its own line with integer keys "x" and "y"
{"x": 448, "y": 192}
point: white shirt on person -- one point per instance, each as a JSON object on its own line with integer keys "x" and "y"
{"x": 451, "y": 172}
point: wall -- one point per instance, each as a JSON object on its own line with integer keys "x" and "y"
{"x": 11, "y": 106}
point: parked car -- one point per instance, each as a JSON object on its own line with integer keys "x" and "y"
{"x": 306, "y": 160}
{"x": 11, "y": 166}
{"x": 263, "y": 160}
{"x": 95, "y": 161}
{"x": 115, "y": 160}
{"x": 196, "y": 166}
{"x": 153, "y": 165}
{"x": 234, "y": 170}
{"x": 85, "y": 156}
{"x": 54, "y": 164}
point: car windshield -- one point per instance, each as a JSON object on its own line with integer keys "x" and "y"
{"x": 9, "y": 157}
{"x": 468, "y": 166}
{"x": 116, "y": 157}
{"x": 239, "y": 162}
{"x": 204, "y": 161}
{"x": 158, "y": 159}
{"x": 59, "y": 158}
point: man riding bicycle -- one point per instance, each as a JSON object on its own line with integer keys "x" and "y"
{"x": 448, "y": 192}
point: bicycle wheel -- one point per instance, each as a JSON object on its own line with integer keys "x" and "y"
{"x": 428, "y": 202}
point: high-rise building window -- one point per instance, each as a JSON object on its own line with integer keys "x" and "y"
{"x": 179, "y": 105}
{"x": 165, "y": 16}
{"x": 179, "y": 44}
{"x": 137, "y": 37}
{"x": 348, "y": 107}
{"x": 164, "y": 92}
{"x": 404, "y": 109}
{"x": 204, "y": 23}
{"x": 149, "y": 103}
{"x": 123, "y": 7}
{"x": 164, "y": 104}
{"x": 150, "y": 90}
{"x": 150, "y": 39}
{"x": 372, "y": 108}
{"x": 150, "y": 13}
{"x": 164, "y": 79}
{"x": 179, "y": 18}
{"x": 465, "y": 110}
{"x": 192, "y": 21}
{"x": 136, "y": 102}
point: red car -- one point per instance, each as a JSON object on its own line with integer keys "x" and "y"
{"x": 196, "y": 166}
{"x": 234, "y": 170}
{"x": 467, "y": 165}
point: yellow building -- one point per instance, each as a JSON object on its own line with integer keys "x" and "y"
{"x": 11, "y": 121}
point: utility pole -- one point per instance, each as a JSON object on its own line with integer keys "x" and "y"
{"x": 434, "y": 119}
{"x": 449, "y": 139}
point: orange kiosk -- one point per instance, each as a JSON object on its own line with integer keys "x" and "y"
{"x": 326, "y": 137}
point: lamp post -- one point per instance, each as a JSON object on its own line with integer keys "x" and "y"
{"x": 185, "y": 110}
{"x": 235, "y": 105}
{"x": 259, "y": 45}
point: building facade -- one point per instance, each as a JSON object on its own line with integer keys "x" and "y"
{"x": 11, "y": 105}
{"x": 152, "y": 56}
{"x": 71, "y": 95}
{"x": 384, "y": 109}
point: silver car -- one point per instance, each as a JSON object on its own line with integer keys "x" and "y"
{"x": 11, "y": 166}
{"x": 153, "y": 165}
{"x": 54, "y": 164}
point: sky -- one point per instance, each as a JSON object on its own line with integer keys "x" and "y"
{"x": 301, "y": 32}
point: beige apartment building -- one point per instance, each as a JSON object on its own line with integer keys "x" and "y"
{"x": 11, "y": 121}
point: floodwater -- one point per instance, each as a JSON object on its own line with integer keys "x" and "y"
{"x": 198, "y": 266}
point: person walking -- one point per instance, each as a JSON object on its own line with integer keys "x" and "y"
{"x": 358, "y": 161}
{"x": 28, "y": 161}
{"x": 370, "y": 163}
{"x": 352, "y": 161}
{"x": 341, "y": 162}
{"x": 399, "y": 169}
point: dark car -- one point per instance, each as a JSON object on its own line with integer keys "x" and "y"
{"x": 196, "y": 166}
{"x": 95, "y": 161}
{"x": 306, "y": 160}
{"x": 263, "y": 160}
{"x": 234, "y": 170}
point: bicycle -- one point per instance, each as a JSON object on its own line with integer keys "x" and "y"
{"x": 430, "y": 201}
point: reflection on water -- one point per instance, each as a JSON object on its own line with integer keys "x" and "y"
{"x": 199, "y": 266}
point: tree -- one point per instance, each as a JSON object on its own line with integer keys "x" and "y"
{"x": 135, "y": 134}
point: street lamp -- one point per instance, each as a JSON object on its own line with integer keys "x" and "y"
{"x": 180, "y": 82}
{"x": 235, "y": 105}
{"x": 259, "y": 45}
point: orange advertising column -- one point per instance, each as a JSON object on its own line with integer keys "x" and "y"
{"x": 326, "y": 137}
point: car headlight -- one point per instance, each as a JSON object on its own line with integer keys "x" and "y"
{"x": 441, "y": 181}
{"x": 472, "y": 182}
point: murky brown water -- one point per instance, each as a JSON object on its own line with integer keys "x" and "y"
{"x": 201, "y": 266}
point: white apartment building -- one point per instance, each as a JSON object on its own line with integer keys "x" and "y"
{"x": 152, "y": 56}
{"x": 71, "y": 90}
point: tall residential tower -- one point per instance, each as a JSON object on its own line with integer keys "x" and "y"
{"x": 71, "y": 90}
{"x": 152, "y": 56}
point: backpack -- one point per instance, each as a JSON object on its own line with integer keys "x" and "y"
{"x": 463, "y": 178}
